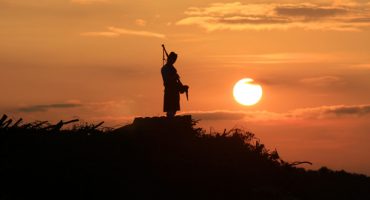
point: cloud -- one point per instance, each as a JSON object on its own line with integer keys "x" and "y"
{"x": 322, "y": 81}
{"x": 349, "y": 110}
{"x": 309, "y": 12}
{"x": 217, "y": 115}
{"x": 104, "y": 34}
{"x": 115, "y": 32}
{"x": 363, "y": 66}
{"x": 85, "y": 2}
{"x": 266, "y": 16}
{"x": 277, "y": 58}
{"x": 46, "y": 107}
{"x": 112, "y": 112}
{"x": 325, "y": 112}
{"x": 140, "y": 22}
{"x": 235, "y": 115}
{"x": 322, "y": 112}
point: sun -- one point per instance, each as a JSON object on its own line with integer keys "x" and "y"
{"x": 246, "y": 92}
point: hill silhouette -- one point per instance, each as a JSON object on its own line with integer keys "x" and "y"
{"x": 156, "y": 158}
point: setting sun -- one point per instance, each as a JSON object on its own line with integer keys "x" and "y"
{"x": 246, "y": 92}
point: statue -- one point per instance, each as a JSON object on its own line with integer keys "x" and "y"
{"x": 172, "y": 85}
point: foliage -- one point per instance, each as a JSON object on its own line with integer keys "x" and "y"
{"x": 157, "y": 158}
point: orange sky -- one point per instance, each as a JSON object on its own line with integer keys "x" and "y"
{"x": 100, "y": 60}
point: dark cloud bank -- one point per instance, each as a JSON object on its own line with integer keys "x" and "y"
{"x": 46, "y": 107}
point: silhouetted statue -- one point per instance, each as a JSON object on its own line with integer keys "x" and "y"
{"x": 172, "y": 85}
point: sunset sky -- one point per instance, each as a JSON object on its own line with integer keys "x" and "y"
{"x": 100, "y": 60}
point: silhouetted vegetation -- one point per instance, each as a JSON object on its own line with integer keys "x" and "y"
{"x": 156, "y": 158}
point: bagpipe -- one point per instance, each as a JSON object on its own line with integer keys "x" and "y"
{"x": 182, "y": 88}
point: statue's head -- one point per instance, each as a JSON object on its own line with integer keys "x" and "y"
{"x": 172, "y": 57}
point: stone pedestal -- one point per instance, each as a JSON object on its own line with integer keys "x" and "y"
{"x": 161, "y": 124}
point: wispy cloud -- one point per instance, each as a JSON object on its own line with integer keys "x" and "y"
{"x": 322, "y": 112}
{"x": 238, "y": 16}
{"x": 115, "y": 32}
{"x": 336, "y": 111}
{"x": 218, "y": 115}
{"x": 140, "y": 22}
{"x": 85, "y": 2}
{"x": 363, "y": 66}
{"x": 236, "y": 115}
{"x": 322, "y": 81}
{"x": 46, "y": 107}
{"x": 103, "y": 34}
{"x": 116, "y": 112}
{"x": 276, "y": 58}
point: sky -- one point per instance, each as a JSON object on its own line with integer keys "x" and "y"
{"x": 100, "y": 60}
